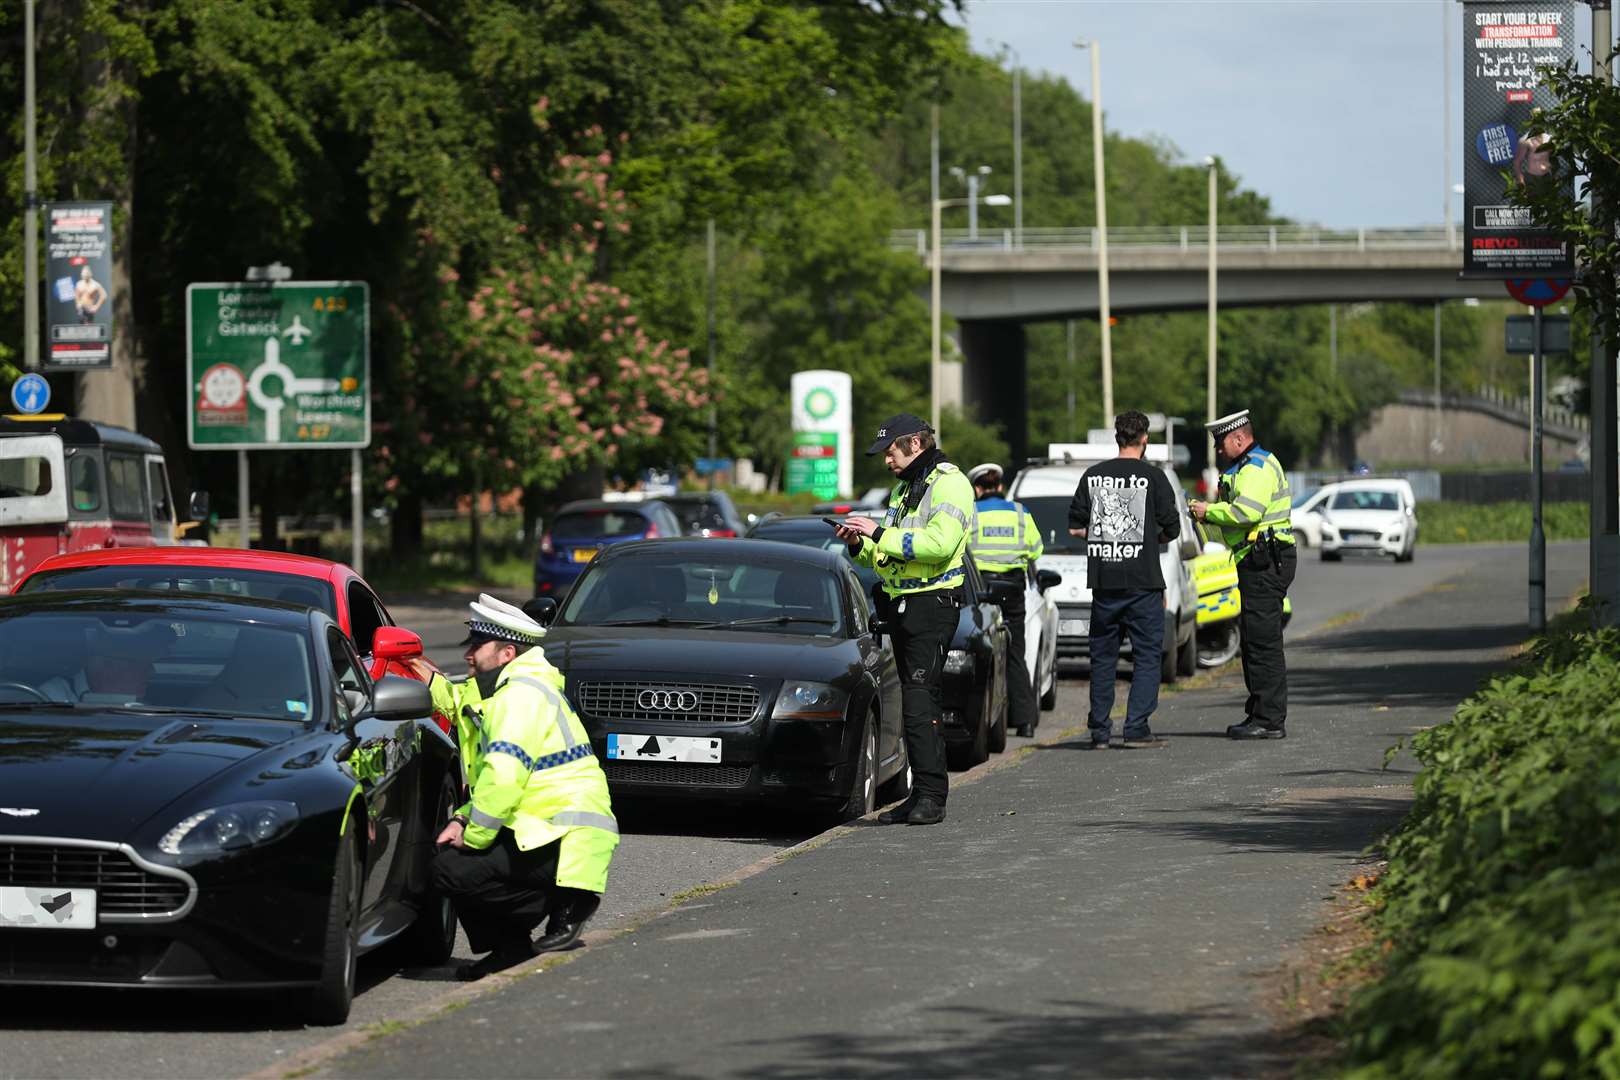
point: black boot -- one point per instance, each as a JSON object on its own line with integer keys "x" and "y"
{"x": 568, "y": 921}
{"x": 1253, "y": 729}
{"x": 927, "y": 812}
{"x": 898, "y": 815}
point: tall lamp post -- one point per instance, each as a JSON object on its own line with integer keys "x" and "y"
{"x": 938, "y": 260}
{"x": 30, "y": 202}
{"x": 1210, "y": 471}
{"x": 1102, "y": 226}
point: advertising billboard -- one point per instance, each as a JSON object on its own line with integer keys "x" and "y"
{"x": 1504, "y": 44}
{"x": 78, "y": 286}
{"x": 820, "y": 460}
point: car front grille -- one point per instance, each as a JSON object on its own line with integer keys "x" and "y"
{"x": 676, "y": 774}
{"x": 125, "y": 891}
{"x": 711, "y": 703}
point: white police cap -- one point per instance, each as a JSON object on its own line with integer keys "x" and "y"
{"x": 987, "y": 469}
{"x": 496, "y": 620}
{"x": 1228, "y": 423}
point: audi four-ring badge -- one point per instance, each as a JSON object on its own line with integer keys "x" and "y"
{"x": 667, "y": 700}
{"x": 738, "y": 671}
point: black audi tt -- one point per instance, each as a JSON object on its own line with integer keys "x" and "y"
{"x": 732, "y": 670}
{"x": 204, "y": 791}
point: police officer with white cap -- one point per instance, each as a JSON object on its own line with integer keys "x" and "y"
{"x": 1004, "y": 544}
{"x": 1252, "y": 513}
{"x": 537, "y": 834}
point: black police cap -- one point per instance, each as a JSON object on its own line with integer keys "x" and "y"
{"x": 896, "y": 427}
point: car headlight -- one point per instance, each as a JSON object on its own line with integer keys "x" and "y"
{"x": 229, "y": 828}
{"x": 810, "y": 701}
{"x": 958, "y": 662}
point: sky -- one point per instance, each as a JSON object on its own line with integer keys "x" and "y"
{"x": 1333, "y": 109}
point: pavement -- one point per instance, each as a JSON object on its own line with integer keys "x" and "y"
{"x": 1103, "y": 914}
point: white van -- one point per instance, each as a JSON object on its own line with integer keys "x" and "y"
{"x": 1045, "y": 488}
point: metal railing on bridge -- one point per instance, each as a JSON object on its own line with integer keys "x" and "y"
{"x": 1187, "y": 238}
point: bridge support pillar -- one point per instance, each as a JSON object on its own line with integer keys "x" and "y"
{"x": 995, "y": 383}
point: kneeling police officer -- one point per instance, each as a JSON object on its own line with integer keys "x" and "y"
{"x": 537, "y": 834}
{"x": 917, "y": 551}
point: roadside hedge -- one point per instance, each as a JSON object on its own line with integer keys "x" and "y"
{"x": 1499, "y": 917}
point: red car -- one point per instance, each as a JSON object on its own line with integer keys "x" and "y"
{"x": 269, "y": 575}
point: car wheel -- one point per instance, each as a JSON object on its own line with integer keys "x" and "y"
{"x": 1187, "y": 655}
{"x": 1218, "y": 644}
{"x": 898, "y": 788}
{"x": 1408, "y": 555}
{"x": 1049, "y": 696}
{"x": 1331, "y": 556}
{"x": 1167, "y": 651}
{"x": 996, "y": 740}
{"x": 863, "y": 779}
{"x": 968, "y": 754}
{"x": 331, "y": 998}
{"x": 432, "y": 937}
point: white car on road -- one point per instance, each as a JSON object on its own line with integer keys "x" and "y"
{"x": 1378, "y": 517}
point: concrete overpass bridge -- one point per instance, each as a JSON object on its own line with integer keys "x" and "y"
{"x": 995, "y": 282}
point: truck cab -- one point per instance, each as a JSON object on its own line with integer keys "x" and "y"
{"x": 1045, "y": 486}
{"x": 71, "y": 485}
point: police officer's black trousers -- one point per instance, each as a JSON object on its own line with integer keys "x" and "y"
{"x": 1265, "y": 671}
{"x": 1022, "y": 709}
{"x": 922, "y": 633}
{"x": 500, "y": 894}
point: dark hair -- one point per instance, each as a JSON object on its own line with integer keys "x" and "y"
{"x": 925, "y": 440}
{"x": 1129, "y": 427}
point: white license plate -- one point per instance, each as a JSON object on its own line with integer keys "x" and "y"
{"x": 663, "y": 748}
{"x": 31, "y": 908}
{"x": 1074, "y": 627}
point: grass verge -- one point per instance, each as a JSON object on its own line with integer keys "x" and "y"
{"x": 1472, "y": 523}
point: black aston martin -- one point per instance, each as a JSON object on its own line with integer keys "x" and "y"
{"x": 732, "y": 670}
{"x": 973, "y": 690}
{"x": 210, "y": 792}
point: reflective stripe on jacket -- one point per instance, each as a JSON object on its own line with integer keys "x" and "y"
{"x": 922, "y": 550}
{"x": 530, "y": 768}
{"x": 1254, "y": 497}
{"x": 1005, "y": 536}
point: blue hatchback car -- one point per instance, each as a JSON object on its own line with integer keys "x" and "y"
{"x": 580, "y": 530}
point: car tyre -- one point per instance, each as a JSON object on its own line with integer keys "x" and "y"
{"x": 332, "y": 996}
{"x": 1218, "y": 644}
{"x": 996, "y": 740}
{"x": 1187, "y": 655}
{"x": 1168, "y": 668}
{"x": 863, "y": 793}
{"x": 1408, "y": 555}
{"x": 432, "y": 938}
{"x": 1049, "y": 695}
{"x": 1331, "y": 556}
{"x": 977, "y": 750}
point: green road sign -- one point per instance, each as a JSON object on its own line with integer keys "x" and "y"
{"x": 278, "y": 365}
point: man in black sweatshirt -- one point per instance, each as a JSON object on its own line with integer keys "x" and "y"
{"x": 1125, "y": 508}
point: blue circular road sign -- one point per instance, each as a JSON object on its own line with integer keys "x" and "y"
{"x": 31, "y": 393}
{"x": 1538, "y": 292}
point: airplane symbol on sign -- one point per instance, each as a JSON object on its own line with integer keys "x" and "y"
{"x": 297, "y": 331}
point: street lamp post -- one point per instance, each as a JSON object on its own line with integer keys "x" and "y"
{"x": 1210, "y": 471}
{"x": 1102, "y": 226}
{"x": 30, "y": 201}
{"x": 1018, "y": 150}
{"x": 938, "y": 261}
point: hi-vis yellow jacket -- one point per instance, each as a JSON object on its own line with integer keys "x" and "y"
{"x": 530, "y": 768}
{"x": 1254, "y": 497}
{"x": 1005, "y": 536}
{"x": 922, "y": 551}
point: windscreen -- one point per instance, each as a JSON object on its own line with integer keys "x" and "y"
{"x": 215, "y": 580}
{"x": 695, "y": 515}
{"x": 597, "y": 524}
{"x": 1051, "y": 514}
{"x": 820, "y": 537}
{"x": 716, "y": 593}
{"x": 153, "y": 661}
{"x": 1366, "y": 500}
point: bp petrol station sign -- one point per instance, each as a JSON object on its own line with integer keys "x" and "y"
{"x": 821, "y": 460}
{"x": 283, "y": 365}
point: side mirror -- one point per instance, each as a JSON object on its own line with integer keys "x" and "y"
{"x": 397, "y": 698}
{"x": 1214, "y": 547}
{"x": 542, "y": 609}
{"x": 1047, "y": 579}
{"x": 395, "y": 643}
{"x": 197, "y": 507}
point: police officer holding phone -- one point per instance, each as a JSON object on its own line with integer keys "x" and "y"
{"x": 917, "y": 551}
{"x": 1252, "y": 513}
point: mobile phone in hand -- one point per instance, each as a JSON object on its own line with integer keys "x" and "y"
{"x": 834, "y": 522}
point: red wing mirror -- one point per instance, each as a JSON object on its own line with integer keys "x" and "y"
{"x": 395, "y": 643}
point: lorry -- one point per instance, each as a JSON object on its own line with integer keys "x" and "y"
{"x": 71, "y": 485}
